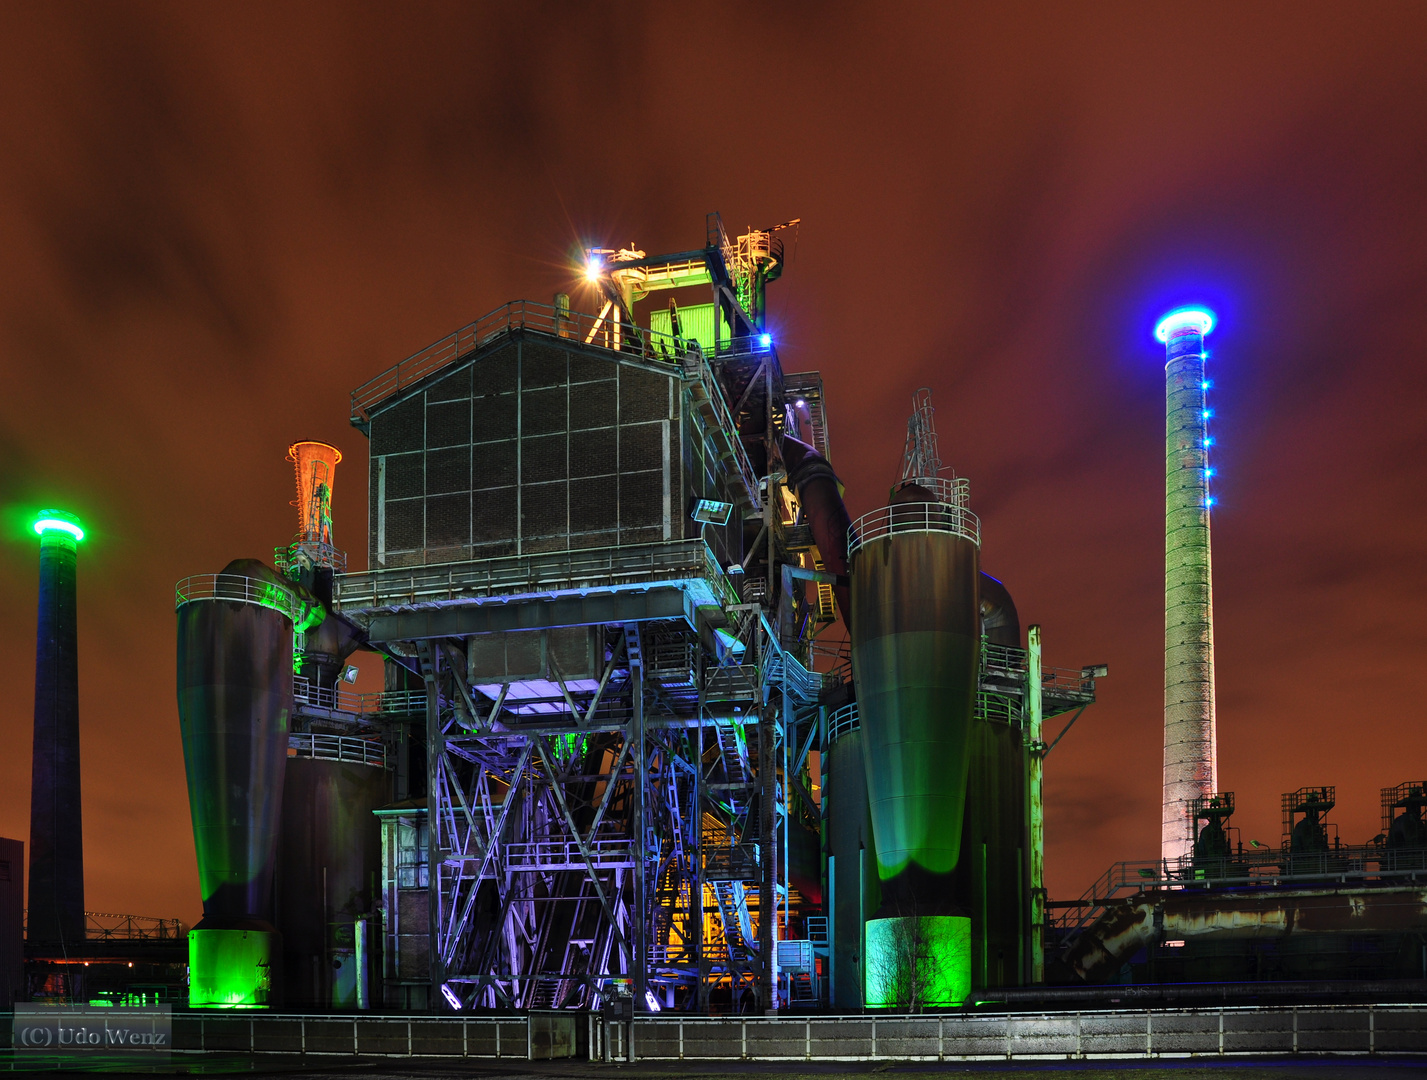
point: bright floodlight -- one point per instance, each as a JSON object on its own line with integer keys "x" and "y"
{"x": 765, "y": 340}
{"x": 58, "y": 521}
{"x": 1187, "y": 317}
{"x": 593, "y": 268}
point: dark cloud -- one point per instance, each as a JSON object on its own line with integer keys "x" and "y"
{"x": 216, "y": 220}
{"x": 140, "y": 193}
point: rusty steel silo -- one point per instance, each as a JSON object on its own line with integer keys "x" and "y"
{"x": 235, "y": 699}
{"x": 915, "y": 628}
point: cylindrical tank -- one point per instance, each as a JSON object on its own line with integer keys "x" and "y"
{"x": 853, "y": 889}
{"x": 56, "y": 885}
{"x": 991, "y": 876}
{"x": 235, "y": 638}
{"x": 330, "y": 859}
{"x": 915, "y": 656}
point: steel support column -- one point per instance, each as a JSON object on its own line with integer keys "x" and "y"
{"x": 768, "y": 862}
{"x": 1035, "y": 818}
{"x": 430, "y": 659}
{"x": 639, "y": 962}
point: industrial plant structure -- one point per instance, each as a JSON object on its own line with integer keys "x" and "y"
{"x": 614, "y": 764}
{"x": 1210, "y": 909}
{"x": 614, "y": 759}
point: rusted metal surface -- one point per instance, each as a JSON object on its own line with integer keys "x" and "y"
{"x": 915, "y": 658}
{"x": 1129, "y": 925}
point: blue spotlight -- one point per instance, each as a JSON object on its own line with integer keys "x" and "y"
{"x": 1195, "y": 319}
{"x": 765, "y": 340}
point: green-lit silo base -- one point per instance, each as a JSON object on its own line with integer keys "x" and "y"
{"x": 232, "y": 969}
{"x": 918, "y": 961}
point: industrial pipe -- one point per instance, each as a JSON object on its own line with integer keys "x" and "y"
{"x": 812, "y": 478}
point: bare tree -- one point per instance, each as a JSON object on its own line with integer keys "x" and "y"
{"x": 917, "y": 960}
{"x": 899, "y": 957}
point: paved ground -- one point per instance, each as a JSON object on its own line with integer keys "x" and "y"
{"x": 292, "y": 1069}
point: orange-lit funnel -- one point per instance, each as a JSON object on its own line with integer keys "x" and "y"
{"x": 316, "y": 464}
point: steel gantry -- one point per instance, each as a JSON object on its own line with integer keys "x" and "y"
{"x": 588, "y": 561}
{"x": 587, "y": 834}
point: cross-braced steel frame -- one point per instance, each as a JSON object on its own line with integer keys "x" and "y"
{"x": 630, "y": 836}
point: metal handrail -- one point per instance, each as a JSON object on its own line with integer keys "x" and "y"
{"x": 242, "y": 590}
{"x": 1005, "y": 661}
{"x": 694, "y": 362}
{"x": 106, "y": 926}
{"x": 543, "y": 573}
{"x": 648, "y": 346}
{"x": 918, "y": 517}
{"x": 953, "y": 491}
{"x": 843, "y": 721}
{"x": 1253, "y": 867}
{"x": 989, "y": 706}
{"x": 554, "y": 853}
{"x": 349, "y": 701}
{"x": 785, "y": 669}
{"x": 678, "y": 357}
{"x": 322, "y": 747}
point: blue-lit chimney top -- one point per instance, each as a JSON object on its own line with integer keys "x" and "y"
{"x": 1185, "y": 319}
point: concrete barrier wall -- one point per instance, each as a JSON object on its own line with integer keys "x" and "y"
{"x": 1387, "y": 1030}
{"x": 1378, "y": 1029}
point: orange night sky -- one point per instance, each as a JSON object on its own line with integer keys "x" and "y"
{"x": 216, "y": 219}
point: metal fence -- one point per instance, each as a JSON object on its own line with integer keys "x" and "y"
{"x": 104, "y": 926}
{"x": 338, "y": 700}
{"x": 913, "y": 518}
{"x": 531, "y": 1037}
{"x": 661, "y": 349}
{"x": 590, "y": 568}
{"x": 1344, "y": 865}
{"x": 1228, "y": 1031}
{"x": 243, "y": 590}
{"x": 567, "y": 855}
{"x": 1218, "y": 1032}
{"x": 308, "y": 744}
{"x": 648, "y": 346}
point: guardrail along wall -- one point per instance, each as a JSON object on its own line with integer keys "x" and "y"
{"x": 1378, "y": 1030}
{"x": 1390, "y": 1029}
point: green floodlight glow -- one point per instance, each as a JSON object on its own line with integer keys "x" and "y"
{"x": 58, "y": 521}
{"x": 916, "y": 961}
{"x": 232, "y": 969}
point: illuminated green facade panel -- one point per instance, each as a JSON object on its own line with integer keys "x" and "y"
{"x": 232, "y": 969}
{"x": 696, "y": 321}
{"x": 917, "y": 962}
